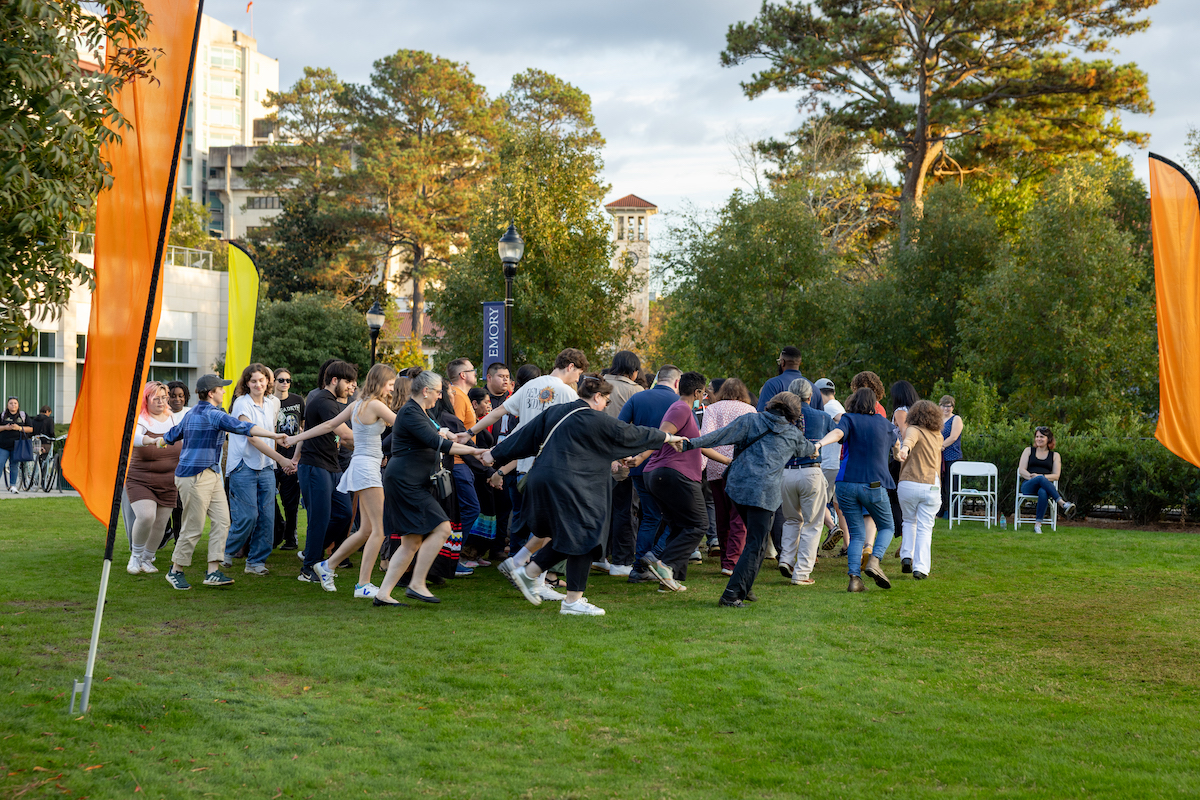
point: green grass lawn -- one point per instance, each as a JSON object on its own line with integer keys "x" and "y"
{"x": 1040, "y": 666}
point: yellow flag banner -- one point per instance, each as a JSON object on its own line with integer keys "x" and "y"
{"x": 1175, "y": 231}
{"x": 243, "y": 305}
{"x": 133, "y": 218}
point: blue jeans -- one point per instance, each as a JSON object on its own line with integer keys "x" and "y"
{"x": 855, "y": 499}
{"x": 1044, "y": 489}
{"x": 6, "y": 456}
{"x": 251, "y": 512}
{"x": 650, "y": 535}
{"x": 328, "y": 509}
{"x": 468, "y": 499}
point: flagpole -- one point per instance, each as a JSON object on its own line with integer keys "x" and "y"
{"x": 135, "y": 390}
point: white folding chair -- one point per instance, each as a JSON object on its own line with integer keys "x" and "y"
{"x": 1031, "y": 517}
{"x": 959, "y": 494}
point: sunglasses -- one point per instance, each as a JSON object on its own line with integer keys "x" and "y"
{"x": 283, "y": 380}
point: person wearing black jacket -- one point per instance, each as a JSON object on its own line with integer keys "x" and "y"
{"x": 410, "y": 509}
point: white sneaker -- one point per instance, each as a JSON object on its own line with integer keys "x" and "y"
{"x": 326, "y": 575}
{"x": 149, "y": 568}
{"x": 366, "y": 590}
{"x": 527, "y": 585}
{"x": 256, "y": 569}
{"x": 135, "y": 566}
{"x": 14, "y": 490}
{"x": 1037, "y": 528}
{"x": 507, "y": 568}
{"x": 602, "y": 565}
{"x": 581, "y": 608}
{"x": 546, "y": 593}
{"x": 619, "y": 572}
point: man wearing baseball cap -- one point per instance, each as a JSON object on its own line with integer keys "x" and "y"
{"x": 198, "y": 479}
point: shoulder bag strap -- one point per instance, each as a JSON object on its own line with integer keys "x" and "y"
{"x": 552, "y": 430}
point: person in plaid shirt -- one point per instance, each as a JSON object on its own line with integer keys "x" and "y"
{"x": 198, "y": 478}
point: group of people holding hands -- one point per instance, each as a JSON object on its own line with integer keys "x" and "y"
{"x": 575, "y": 471}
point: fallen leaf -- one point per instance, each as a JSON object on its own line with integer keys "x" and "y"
{"x": 78, "y": 718}
{"x": 40, "y": 769}
{"x": 97, "y": 766}
{"x": 199, "y": 769}
{"x": 306, "y": 688}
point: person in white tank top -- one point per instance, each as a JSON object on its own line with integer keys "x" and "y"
{"x": 367, "y": 415}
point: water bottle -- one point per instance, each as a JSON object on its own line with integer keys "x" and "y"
{"x": 1003, "y": 522}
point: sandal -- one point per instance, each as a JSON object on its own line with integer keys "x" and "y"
{"x": 556, "y": 582}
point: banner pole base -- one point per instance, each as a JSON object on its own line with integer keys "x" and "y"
{"x": 86, "y": 686}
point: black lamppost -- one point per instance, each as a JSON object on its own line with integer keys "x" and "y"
{"x": 511, "y": 248}
{"x": 375, "y": 320}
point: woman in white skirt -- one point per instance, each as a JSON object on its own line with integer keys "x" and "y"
{"x": 918, "y": 490}
{"x": 367, "y": 415}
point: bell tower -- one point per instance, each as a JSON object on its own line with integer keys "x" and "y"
{"x": 632, "y": 238}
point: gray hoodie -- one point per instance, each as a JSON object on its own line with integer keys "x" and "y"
{"x": 753, "y": 478}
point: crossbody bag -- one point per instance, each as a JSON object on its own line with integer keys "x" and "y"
{"x": 525, "y": 477}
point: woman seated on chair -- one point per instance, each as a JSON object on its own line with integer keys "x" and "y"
{"x": 1039, "y": 469}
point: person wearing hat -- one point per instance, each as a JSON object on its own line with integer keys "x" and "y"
{"x": 198, "y": 478}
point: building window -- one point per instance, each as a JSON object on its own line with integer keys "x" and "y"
{"x": 225, "y": 57}
{"x": 38, "y": 344}
{"x": 262, "y": 202}
{"x": 620, "y": 228}
{"x": 641, "y": 229}
{"x": 168, "y": 374}
{"x": 171, "y": 351}
{"x": 224, "y": 87}
{"x": 80, "y": 346}
{"x": 226, "y": 115}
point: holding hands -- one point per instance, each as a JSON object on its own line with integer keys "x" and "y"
{"x": 486, "y": 457}
{"x": 496, "y": 480}
{"x": 678, "y": 442}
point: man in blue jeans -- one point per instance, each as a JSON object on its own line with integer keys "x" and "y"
{"x": 328, "y": 509}
{"x": 647, "y": 409}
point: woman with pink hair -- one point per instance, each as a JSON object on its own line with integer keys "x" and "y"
{"x": 150, "y": 479}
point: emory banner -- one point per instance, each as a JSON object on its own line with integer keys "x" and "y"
{"x": 133, "y": 219}
{"x": 1175, "y": 230}
{"x": 243, "y": 305}
{"x": 493, "y": 335}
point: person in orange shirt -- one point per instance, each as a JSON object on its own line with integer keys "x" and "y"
{"x": 463, "y": 376}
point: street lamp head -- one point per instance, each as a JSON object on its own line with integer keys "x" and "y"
{"x": 375, "y": 318}
{"x": 511, "y": 246}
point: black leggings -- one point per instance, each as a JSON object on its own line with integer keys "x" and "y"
{"x": 577, "y": 566}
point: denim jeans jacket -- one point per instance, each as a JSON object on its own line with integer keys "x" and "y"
{"x": 753, "y": 478}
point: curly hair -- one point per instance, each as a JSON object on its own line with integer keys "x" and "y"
{"x": 924, "y": 414}
{"x": 869, "y": 380}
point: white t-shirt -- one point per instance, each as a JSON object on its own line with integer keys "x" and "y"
{"x": 532, "y": 399}
{"x": 831, "y": 454}
{"x": 239, "y": 446}
{"x": 148, "y": 426}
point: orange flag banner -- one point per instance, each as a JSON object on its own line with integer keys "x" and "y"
{"x": 1175, "y": 230}
{"x": 133, "y": 219}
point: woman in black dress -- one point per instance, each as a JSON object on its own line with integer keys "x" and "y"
{"x": 410, "y": 508}
{"x": 569, "y": 488}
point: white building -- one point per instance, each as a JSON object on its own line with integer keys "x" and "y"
{"x": 632, "y": 237}
{"x": 47, "y": 367}
{"x": 234, "y": 207}
{"x": 230, "y": 82}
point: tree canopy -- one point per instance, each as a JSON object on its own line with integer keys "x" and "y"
{"x": 949, "y": 85}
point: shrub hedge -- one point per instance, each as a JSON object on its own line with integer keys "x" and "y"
{"x": 1137, "y": 475}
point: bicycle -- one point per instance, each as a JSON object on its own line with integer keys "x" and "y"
{"x": 52, "y": 468}
{"x": 31, "y": 472}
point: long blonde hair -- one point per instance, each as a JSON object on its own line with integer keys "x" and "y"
{"x": 375, "y": 386}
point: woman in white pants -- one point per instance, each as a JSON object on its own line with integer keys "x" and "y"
{"x": 919, "y": 491}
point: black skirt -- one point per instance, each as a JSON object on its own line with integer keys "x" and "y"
{"x": 409, "y": 506}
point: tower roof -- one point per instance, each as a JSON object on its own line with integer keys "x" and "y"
{"x": 631, "y": 201}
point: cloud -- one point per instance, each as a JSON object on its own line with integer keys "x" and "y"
{"x": 661, "y": 98}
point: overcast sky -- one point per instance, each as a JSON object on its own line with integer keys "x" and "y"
{"x": 663, "y": 102}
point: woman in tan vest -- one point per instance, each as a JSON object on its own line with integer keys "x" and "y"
{"x": 918, "y": 490}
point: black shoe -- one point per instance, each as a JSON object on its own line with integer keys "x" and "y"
{"x": 906, "y": 565}
{"x": 785, "y": 570}
{"x": 730, "y": 603}
{"x": 842, "y": 553}
{"x": 919, "y": 576}
{"x": 421, "y": 597}
{"x": 307, "y": 575}
{"x": 385, "y": 604}
{"x": 640, "y": 575}
{"x": 289, "y": 544}
{"x": 346, "y": 564}
{"x": 751, "y": 597}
